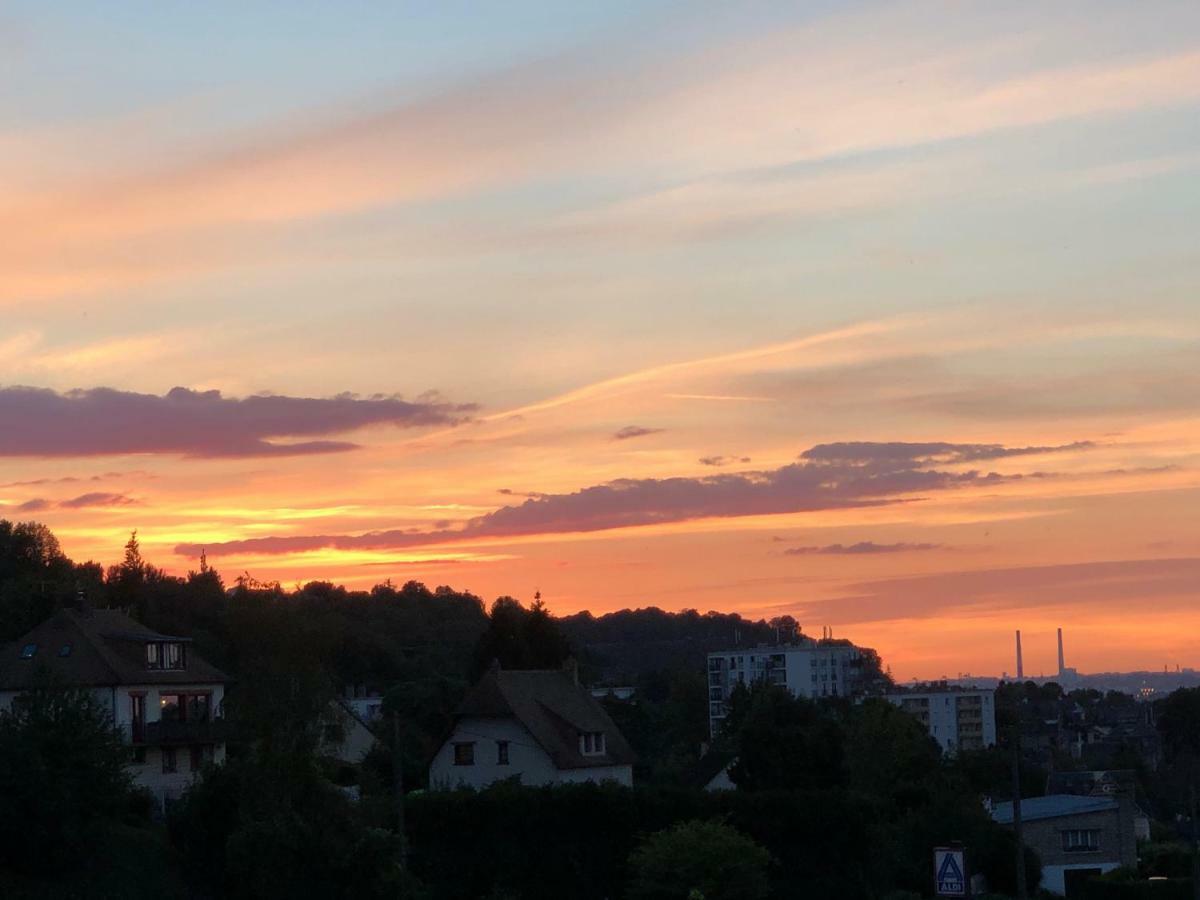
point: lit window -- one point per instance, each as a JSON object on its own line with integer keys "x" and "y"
{"x": 464, "y": 754}
{"x": 173, "y": 654}
{"x": 154, "y": 656}
{"x": 502, "y": 753}
{"x": 28, "y": 651}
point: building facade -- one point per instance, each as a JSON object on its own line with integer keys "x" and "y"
{"x": 1076, "y": 837}
{"x": 539, "y": 727}
{"x": 808, "y": 668}
{"x": 958, "y": 719}
{"x": 166, "y": 701}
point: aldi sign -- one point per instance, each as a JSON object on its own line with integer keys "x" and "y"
{"x": 950, "y": 872}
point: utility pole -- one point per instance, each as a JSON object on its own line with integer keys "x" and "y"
{"x": 1195, "y": 841}
{"x": 1015, "y": 740}
{"x": 398, "y": 787}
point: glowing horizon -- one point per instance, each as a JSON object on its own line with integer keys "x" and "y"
{"x": 884, "y": 316}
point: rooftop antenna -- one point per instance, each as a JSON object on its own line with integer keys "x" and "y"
{"x": 1020, "y": 663}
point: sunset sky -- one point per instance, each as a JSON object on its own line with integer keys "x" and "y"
{"x": 886, "y": 316}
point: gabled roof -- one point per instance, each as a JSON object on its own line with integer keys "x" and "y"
{"x": 1053, "y": 806}
{"x": 554, "y": 709}
{"x": 1103, "y": 782}
{"x": 107, "y": 647}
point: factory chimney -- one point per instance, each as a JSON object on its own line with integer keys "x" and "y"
{"x": 1061, "y": 665}
{"x": 1020, "y": 664}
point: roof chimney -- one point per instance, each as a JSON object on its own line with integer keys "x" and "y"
{"x": 1020, "y": 663}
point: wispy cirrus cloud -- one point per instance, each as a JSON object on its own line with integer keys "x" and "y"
{"x": 718, "y": 461}
{"x": 824, "y": 477}
{"x": 1111, "y": 584}
{"x": 860, "y": 548}
{"x": 103, "y": 421}
{"x": 91, "y": 500}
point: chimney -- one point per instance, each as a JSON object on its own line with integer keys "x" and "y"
{"x": 1061, "y": 665}
{"x": 1020, "y": 663}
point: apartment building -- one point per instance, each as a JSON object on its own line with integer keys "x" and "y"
{"x": 807, "y": 668}
{"x": 164, "y": 699}
{"x": 958, "y": 719}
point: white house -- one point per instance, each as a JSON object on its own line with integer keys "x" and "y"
{"x": 164, "y": 699}
{"x": 348, "y": 736}
{"x": 538, "y": 726}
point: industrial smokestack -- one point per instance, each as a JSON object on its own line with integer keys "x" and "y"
{"x": 1061, "y": 665}
{"x": 1020, "y": 664}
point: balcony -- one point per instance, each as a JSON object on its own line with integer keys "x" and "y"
{"x": 169, "y": 733}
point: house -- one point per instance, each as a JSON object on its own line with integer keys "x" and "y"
{"x": 1104, "y": 783}
{"x": 539, "y": 726}
{"x": 957, "y": 718}
{"x": 347, "y": 736}
{"x": 1077, "y": 837}
{"x": 711, "y": 772}
{"x": 166, "y": 701}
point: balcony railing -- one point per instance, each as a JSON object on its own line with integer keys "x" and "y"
{"x": 211, "y": 731}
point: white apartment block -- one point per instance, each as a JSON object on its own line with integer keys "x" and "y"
{"x": 957, "y": 719}
{"x": 810, "y": 668}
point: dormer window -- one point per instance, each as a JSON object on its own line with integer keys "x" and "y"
{"x": 165, "y": 655}
{"x": 591, "y": 743}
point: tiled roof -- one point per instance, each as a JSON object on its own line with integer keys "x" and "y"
{"x": 554, "y": 709}
{"x": 1053, "y": 806}
{"x": 106, "y": 647}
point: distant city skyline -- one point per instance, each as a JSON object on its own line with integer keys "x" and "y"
{"x": 883, "y": 316}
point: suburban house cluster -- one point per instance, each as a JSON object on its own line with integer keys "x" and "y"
{"x": 541, "y": 727}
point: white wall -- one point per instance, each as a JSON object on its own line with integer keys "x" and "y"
{"x": 526, "y": 759}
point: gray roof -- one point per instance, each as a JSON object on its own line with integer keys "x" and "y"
{"x": 1053, "y": 806}
{"x": 554, "y": 709}
{"x": 107, "y": 647}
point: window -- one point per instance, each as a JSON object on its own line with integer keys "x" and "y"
{"x": 197, "y": 707}
{"x": 28, "y": 651}
{"x": 1081, "y": 840}
{"x": 153, "y": 656}
{"x": 137, "y": 717}
{"x": 173, "y": 656}
{"x": 502, "y": 753}
{"x": 171, "y": 708}
{"x": 168, "y": 760}
{"x": 591, "y": 743}
{"x": 464, "y": 754}
{"x": 65, "y": 649}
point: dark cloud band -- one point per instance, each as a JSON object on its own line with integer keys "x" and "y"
{"x": 828, "y": 476}
{"x": 103, "y": 421}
